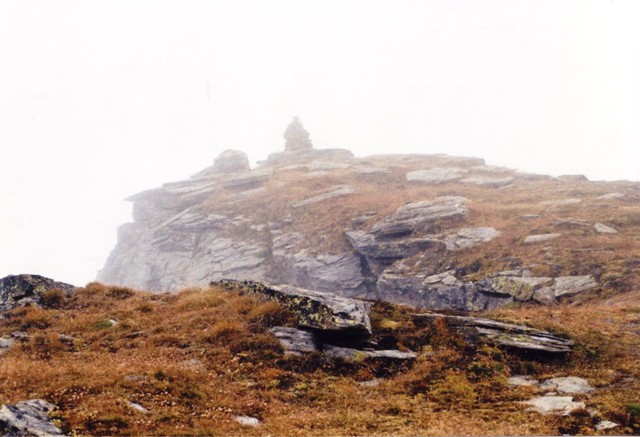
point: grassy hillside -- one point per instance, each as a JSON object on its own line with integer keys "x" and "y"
{"x": 197, "y": 359}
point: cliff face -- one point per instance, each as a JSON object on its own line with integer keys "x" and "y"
{"x": 427, "y": 230}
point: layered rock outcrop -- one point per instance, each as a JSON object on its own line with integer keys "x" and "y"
{"x": 389, "y": 227}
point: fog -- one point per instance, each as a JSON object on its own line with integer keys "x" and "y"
{"x": 102, "y": 99}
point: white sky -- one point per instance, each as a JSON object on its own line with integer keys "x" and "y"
{"x": 102, "y": 99}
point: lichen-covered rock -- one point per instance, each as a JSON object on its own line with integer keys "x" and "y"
{"x": 19, "y": 290}
{"x": 295, "y": 341}
{"x": 28, "y": 418}
{"x": 323, "y": 311}
{"x": 350, "y": 354}
{"x": 541, "y": 238}
{"x": 504, "y": 334}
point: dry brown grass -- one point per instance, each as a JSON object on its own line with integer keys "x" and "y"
{"x": 198, "y": 358}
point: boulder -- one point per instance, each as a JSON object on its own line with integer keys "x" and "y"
{"x": 522, "y": 381}
{"x": 20, "y": 290}
{"x": 469, "y": 237}
{"x": 569, "y": 285}
{"x": 247, "y": 421}
{"x": 504, "y": 334}
{"x": 28, "y": 418}
{"x": 568, "y": 385}
{"x": 231, "y": 161}
{"x": 560, "y": 405}
{"x": 604, "y": 229}
{"x": 349, "y": 354}
{"x": 315, "y": 310}
{"x": 541, "y": 238}
{"x": 295, "y": 341}
{"x": 438, "y": 175}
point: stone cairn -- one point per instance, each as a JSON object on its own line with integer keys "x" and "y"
{"x": 296, "y": 137}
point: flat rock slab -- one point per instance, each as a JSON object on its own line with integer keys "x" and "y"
{"x": 350, "y": 354}
{"x": 339, "y": 191}
{"x": 315, "y": 310}
{"x": 504, "y": 334}
{"x": 418, "y": 216}
{"x": 295, "y": 341}
{"x": 469, "y": 237}
{"x": 561, "y": 405}
{"x": 604, "y": 229}
{"x": 438, "y": 175}
{"x": 28, "y": 418}
{"x": 541, "y": 238}
{"x": 251, "y": 422}
{"x": 485, "y": 181}
{"x": 523, "y": 381}
{"x": 568, "y": 385}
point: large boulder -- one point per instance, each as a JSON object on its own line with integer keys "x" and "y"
{"x": 28, "y": 418}
{"x": 20, "y": 290}
{"x": 231, "y": 161}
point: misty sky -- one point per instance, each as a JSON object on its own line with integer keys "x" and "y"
{"x": 102, "y": 99}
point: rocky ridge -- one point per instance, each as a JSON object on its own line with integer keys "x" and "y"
{"x": 391, "y": 227}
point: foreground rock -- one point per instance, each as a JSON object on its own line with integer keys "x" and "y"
{"x": 504, "y": 334}
{"x": 28, "y": 418}
{"x": 20, "y": 290}
{"x": 560, "y": 405}
{"x": 323, "y": 311}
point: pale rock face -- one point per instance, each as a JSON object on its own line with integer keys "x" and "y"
{"x": 560, "y": 405}
{"x": 541, "y": 238}
{"x": 438, "y": 175}
{"x": 604, "y": 229}
{"x": 28, "y": 418}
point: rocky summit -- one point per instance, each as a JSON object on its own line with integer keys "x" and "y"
{"x": 431, "y": 231}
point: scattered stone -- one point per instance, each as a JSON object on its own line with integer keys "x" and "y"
{"x": 522, "y": 381}
{"x": 338, "y": 191}
{"x": 604, "y": 425}
{"x": 247, "y": 421}
{"x": 505, "y": 334}
{"x": 114, "y": 322}
{"x": 561, "y": 405}
{"x": 20, "y": 335}
{"x": 20, "y": 290}
{"x": 28, "y": 418}
{"x": 137, "y": 407}
{"x": 533, "y": 239}
{"x": 349, "y": 354}
{"x": 438, "y": 175}
{"x": 324, "y": 311}
{"x": 6, "y": 344}
{"x": 327, "y": 165}
{"x": 371, "y": 383}
{"x": 231, "y": 161}
{"x": 572, "y": 178}
{"x": 469, "y": 237}
{"x": 560, "y": 202}
{"x": 570, "y": 223}
{"x": 568, "y": 385}
{"x": 604, "y": 229}
{"x": 295, "y": 341}
{"x": 486, "y": 181}
{"x": 612, "y": 196}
